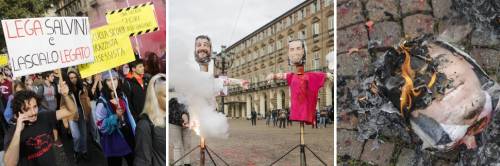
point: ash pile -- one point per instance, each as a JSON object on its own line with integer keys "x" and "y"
{"x": 432, "y": 97}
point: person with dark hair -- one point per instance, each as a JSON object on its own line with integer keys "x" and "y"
{"x": 93, "y": 86}
{"x": 179, "y": 132}
{"x": 49, "y": 93}
{"x": 135, "y": 86}
{"x": 8, "y": 113}
{"x": 30, "y": 142}
{"x": 254, "y": 117}
{"x": 163, "y": 60}
{"x": 115, "y": 121}
{"x": 81, "y": 124}
{"x": 152, "y": 63}
{"x": 282, "y": 117}
{"x": 5, "y": 87}
{"x": 274, "y": 115}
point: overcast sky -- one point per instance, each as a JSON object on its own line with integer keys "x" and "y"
{"x": 218, "y": 20}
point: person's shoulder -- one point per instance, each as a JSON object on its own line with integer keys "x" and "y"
{"x": 144, "y": 122}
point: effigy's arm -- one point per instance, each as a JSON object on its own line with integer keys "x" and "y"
{"x": 330, "y": 76}
{"x": 239, "y": 82}
{"x": 276, "y": 76}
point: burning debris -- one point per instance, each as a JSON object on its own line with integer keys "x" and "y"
{"x": 429, "y": 93}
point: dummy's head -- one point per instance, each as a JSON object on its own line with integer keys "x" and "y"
{"x": 296, "y": 52}
{"x": 202, "y": 49}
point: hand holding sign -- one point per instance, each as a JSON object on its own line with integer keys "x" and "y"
{"x": 63, "y": 88}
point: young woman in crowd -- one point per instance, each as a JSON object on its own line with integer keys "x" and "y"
{"x": 115, "y": 122}
{"x": 151, "y": 132}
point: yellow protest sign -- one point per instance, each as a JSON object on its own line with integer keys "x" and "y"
{"x": 4, "y": 60}
{"x": 139, "y": 19}
{"x": 111, "y": 49}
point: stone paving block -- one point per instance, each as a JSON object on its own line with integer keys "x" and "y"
{"x": 347, "y": 121}
{"x": 405, "y": 157}
{"x": 441, "y": 8}
{"x": 379, "y": 156}
{"x": 410, "y": 6}
{"x": 379, "y": 9}
{"x": 487, "y": 58}
{"x": 386, "y": 33}
{"x": 350, "y": 64}
{"x": 349, "y": 13}
{"x": 418, "y": 24}
{"x": 481, "y": 38}
{"x": 352, "y": 37}
{"x": 347, "y": 143}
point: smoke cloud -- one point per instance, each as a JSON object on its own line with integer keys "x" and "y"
{"x": 197, "y": 90}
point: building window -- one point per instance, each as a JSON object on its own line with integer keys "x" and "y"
{"x": 280, "y": 44}
{"x": 316, "y": 60}
{"x": 315, "y": 29}
{"x": 270, "y": 48}
{"x": 300, "y": 15}
{"x": 314, "y": 7}
{"x": 302, "y": 35}
{"x": 288, "y": 21}
{"x": 329, "y": 2}
{"x": 330, "y": 22}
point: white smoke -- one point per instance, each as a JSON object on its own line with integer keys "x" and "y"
{"x": 197, "y": 90}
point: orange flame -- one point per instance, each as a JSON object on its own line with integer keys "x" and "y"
{"x": 407, "y": 91}
{"x": 202, "y": 142}
{"x": 433, "y": 80}
{"x": 195, "y": 126}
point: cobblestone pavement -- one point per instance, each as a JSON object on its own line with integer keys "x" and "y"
{"x": 380, "y": 24}
{"x": 261, "y": 145}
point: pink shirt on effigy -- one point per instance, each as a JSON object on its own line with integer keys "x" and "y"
{"x": 304, "y": 92}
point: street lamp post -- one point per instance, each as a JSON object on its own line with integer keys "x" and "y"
{"x": 223, "y": 61}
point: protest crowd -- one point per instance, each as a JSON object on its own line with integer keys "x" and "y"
{"x": 120, "y": 111}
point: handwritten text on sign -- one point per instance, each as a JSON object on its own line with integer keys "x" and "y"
{"x": 111, "y": 49}
{"x": 137, "y": 20}
{"x": 40, "y": 44}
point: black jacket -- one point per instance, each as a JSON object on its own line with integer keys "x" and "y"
{"x": 136, "y": 94}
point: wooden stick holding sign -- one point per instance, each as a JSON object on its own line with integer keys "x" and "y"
{"x": 118, "y": 107}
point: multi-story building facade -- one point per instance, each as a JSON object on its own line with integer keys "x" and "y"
{"x": 96, "y": 11}
{"x": 264, "y": 51}
{"x": 73, "y": 7}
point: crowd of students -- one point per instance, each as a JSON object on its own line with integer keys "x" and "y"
{"x": 121, "y": 111}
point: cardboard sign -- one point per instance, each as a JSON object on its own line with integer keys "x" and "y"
{"x": 4, "y": 60}
{"x": 139, "y": 19}
{"x": 40, "y": 44}
{"x": 111, "y": 49}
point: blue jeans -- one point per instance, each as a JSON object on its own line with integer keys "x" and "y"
{"x": 79, "y": 133}
{"x": 322, "y": 121}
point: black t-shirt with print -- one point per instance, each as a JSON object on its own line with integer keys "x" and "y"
{"x": 36, "y": 141}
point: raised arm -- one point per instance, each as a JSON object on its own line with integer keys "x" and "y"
{"x": 276, "y": 76}
{"x": 69, "y": 106}
{"x": 240, "y": 82}
{"x": 330, "y": 76}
